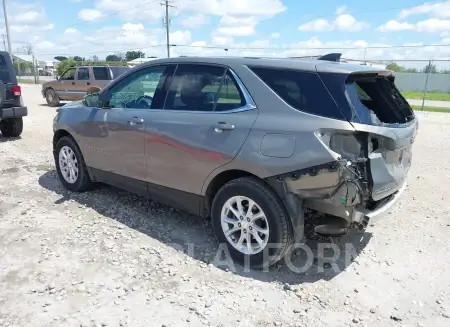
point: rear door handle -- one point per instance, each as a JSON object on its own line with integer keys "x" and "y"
{"x": 73, "y": 83}
{"x": 135, "y": 121}
{"x": 88, "y": 83}
{"x": 221, "y": 126}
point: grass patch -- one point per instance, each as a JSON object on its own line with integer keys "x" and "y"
{"x": 431, "y": 109}
{"x": 435, "y": 96}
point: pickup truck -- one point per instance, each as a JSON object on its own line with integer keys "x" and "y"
{"x": 12, "y": 108}
{"x": 76, "y": 82}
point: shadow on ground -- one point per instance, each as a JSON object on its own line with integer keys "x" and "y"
{"x": 8, "y": 139}
{"x": 318, "y": 259}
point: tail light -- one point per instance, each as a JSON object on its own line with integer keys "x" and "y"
{"x": 16, "y": 90}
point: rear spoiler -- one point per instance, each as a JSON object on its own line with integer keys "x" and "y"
{"x": 336, "y": 57}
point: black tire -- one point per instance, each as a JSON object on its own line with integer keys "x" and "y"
{"x": 83, "y": 181}
{"x": 51, "y": 97}
{"x": 281, "y": 235}
{"x": 11, "y": 127}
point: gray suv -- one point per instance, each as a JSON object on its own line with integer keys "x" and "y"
{"x": 259, "y": 145}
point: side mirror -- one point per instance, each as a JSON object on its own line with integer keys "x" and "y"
{"x": 92, "y": 100}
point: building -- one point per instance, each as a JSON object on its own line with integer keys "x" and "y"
{"x": 24, "y": 65}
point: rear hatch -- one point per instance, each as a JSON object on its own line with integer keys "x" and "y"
{"x": 379, "y": 109}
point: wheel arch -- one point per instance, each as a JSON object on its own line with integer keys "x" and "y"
{"x": 59, "y": 134}
{"x": 290, "y": 203}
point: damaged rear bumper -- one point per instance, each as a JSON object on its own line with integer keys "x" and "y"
{"x": 364, "y": 216}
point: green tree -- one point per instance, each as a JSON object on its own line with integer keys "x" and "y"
{"x": 113, "y": 57}
{"x": 64, "y": 65}
{"x": 77, "y": 58}
{"x": 395, "y": 67}
{"x": 430, "y": 68}
{"x": 411, "y": 70}
{"x": 61, "y": 58}
{"x": 131, "y": 55}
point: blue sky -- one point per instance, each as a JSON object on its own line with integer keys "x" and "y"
{"x": 245, "y": 27}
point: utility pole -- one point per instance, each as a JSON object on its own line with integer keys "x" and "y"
{"x": 167, "y": 4}
{"x": 4, "y": 42}
{"x": 7, "y": 28}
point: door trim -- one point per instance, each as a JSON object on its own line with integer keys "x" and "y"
{"x": 193, "y": 203}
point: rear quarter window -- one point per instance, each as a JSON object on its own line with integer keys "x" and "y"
{"x": 303, "y": 91}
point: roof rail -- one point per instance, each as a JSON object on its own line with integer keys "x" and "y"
{"x": 331, "y": 57}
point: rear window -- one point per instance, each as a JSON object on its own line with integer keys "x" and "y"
{"x": 303, "y": 91}
{"x": 5, "y": 76}
{"x": 377, "y": 101}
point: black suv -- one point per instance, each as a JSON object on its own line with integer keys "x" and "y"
{"x": 12, "y": 108}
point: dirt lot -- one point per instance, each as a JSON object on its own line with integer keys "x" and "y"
{"x": 110, "y": 258}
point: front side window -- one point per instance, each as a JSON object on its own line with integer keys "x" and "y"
{"x": 83, "y": 74}
{"x": 137, "y": 90}
{"x": 69, "y": 75}
{"x": 202, "y": 88}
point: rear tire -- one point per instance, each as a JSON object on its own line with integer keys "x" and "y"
{"x": 270, "y": 237}
{"x": 11, "y": 127}
{"x": 52, "y": 98}
{"x": 70, "y": 166}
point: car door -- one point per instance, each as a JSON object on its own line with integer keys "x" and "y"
{"x": 115, "y": 133}
{"x": 65, "y": 85}
{"x": 205, "y": 121}
{"x": 82, "y": 82}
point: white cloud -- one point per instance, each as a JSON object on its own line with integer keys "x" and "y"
{"x": 439, "y": 9}
{"x": 236, "y": 26}
{"x": 395, "y": 26}
{"x": 432, "y": 25}
{"x": 180, "y": 37}
{"x": 344, "y": 22}
{"x": 258, "y": 8}
{"x": 90, "y": 14}
{"x": 195, "y": 21}
{"x": 71, "y": 31}
{"x": 340, "y": 10}
{"x": 318, "y": 25}
{"x": 275, "y": 35}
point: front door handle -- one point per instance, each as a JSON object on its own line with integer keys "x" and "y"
{"x": 88, "y": 83}
{"x": 73, "y": 83}
{"x": 221, "y": 126}
{"x": 135, "y": 121}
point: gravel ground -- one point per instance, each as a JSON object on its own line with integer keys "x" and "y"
{"x": 111, "y": 258}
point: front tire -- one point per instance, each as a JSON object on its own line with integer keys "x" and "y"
{"x": 70, "y": 165}
{"x": 52, "y": 98}
{"x": 11, "y": 127}
{"x": 250, "y": 219}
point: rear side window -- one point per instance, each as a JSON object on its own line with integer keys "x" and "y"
{"x": 203, "y": 88}
{"x": 303, "y": 91}
{"x": 4, "y": 70}
{"x": 377, "y": 101}
{"x": 101, "y": 74}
